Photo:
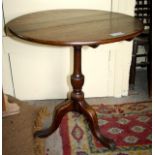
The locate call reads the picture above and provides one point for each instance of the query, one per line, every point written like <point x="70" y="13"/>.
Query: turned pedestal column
<point x="77" y="103"/>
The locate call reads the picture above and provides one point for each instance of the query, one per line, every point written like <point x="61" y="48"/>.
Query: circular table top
<point x="75" y="27"/>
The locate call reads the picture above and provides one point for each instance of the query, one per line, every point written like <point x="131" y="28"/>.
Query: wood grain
<point x="74" y="27"/>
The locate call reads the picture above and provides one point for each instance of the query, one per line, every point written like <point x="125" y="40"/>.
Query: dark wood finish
<point x="78" y="104"/>
<point x="75" y="28"/>
<point x="60" y="111"/>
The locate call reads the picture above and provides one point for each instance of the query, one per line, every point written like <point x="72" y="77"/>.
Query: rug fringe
<point x="39" y="147"/>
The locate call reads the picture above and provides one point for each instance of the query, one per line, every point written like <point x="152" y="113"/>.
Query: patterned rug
<point x="129" y="125"/>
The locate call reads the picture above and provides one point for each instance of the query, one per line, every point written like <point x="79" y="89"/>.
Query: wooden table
<point x="75" y="28"/>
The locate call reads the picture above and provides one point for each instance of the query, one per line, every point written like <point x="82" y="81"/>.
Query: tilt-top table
<point x="75" y="28"/>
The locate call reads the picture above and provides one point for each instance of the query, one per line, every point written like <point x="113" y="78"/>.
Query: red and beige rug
<point x="129" y="125"/>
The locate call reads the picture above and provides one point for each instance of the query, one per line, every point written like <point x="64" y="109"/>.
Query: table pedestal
<point x="77" y="103"/>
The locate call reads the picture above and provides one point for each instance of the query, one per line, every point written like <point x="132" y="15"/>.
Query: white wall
<point x="14" y="8"/>
<point x="123" y="6"/>
<point x="42" y="72"/>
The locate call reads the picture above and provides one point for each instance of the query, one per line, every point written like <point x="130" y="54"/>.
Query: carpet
<point x="129" y="125"/>
<point x="17" y="130"/>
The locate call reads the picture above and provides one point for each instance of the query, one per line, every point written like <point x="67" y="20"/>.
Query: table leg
<point x="60" y="111"/>
<point x="80" y="105"/>
<point x="77" y="103"/>
<point x="91" y="117"/>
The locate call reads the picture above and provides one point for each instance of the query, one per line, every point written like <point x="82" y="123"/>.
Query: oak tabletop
<point x="74" y="27"/>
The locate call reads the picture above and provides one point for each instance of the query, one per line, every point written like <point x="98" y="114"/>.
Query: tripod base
<point x="83" y="108"/>
<point x="78" y="104"/>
